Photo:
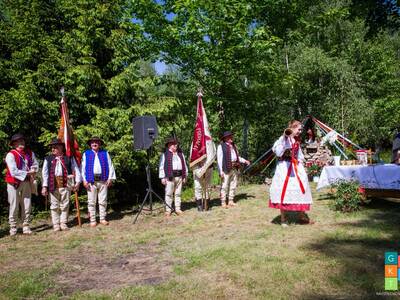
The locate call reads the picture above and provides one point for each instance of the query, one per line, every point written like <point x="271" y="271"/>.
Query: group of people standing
<point x="61" y="174"/>
<point x="289" y="190"/>
<point x="173" y="172"/>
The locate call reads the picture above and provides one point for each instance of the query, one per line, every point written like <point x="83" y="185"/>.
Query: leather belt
<point x="236" y="165"/>
<point x="177" y="173"/>
<point x="97" y="177"/>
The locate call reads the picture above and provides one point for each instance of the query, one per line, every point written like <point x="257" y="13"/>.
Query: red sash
<point x="293" y="164"/>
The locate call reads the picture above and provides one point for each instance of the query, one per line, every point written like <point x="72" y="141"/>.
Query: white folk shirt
<point x="17" y="173"/>
<point x="220" y="157"/>
<point x="176" y="164"/>
<point x="97" y="167"/>
<point x="283" y="144"/>
<point x="58" y="171"/>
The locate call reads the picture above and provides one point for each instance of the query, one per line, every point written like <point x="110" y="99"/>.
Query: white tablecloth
<point x="384" y="176"/>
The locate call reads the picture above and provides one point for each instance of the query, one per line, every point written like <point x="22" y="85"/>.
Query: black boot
<point x="199" y="205"/>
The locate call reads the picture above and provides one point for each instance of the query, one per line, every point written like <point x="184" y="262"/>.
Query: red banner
<point x="66" y="133"/>
<point x="198" y="151"/>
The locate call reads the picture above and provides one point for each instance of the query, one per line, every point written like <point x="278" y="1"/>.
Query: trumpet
<point x="288" y="132"/>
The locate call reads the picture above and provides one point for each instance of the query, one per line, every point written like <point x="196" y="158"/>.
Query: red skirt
<point x="290" y="207"/>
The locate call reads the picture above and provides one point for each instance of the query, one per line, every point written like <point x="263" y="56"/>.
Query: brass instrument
<point x="288" y="132"/>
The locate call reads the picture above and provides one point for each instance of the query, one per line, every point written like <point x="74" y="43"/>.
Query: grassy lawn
<point x="237" y="253"/>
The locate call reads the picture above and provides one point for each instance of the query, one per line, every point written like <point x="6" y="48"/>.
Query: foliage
<point x="314" y="169"/>
<point x="260" y="64"/>
<point x="349" y="196"/>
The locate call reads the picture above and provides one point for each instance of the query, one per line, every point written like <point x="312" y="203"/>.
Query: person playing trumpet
<point x="289" y="189"/>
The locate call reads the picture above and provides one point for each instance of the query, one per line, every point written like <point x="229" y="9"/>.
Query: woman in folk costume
<point x="289" y="189"/>
<point x="173" y="174"/>
<point x="98" y="174"/>
<point x="21" y="169"/>
<point x="60" y="175"/>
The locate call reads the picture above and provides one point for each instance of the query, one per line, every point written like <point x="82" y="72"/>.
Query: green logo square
<point x="391" y="284"/>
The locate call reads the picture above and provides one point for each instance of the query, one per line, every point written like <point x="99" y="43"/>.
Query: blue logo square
<point x="390" y="258"/>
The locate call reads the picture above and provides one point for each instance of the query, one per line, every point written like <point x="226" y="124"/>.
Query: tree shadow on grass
<point x="214" y="202"/>
<point x="359" y="255"/>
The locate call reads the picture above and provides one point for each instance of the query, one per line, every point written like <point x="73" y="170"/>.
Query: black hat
<point x="56" y="141"/>
<point x="16" y="137"/>
<point x="95" y="138"/>
<point x="171" y="140"/>
<point x="226" y="134"/>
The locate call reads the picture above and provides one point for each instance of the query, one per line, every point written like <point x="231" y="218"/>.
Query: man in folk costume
<point x="60" y="175"/>
<point x="21" y="169"/>
<point x="289" y="188"/>
<point x="202" y="184"/>
<point x="98" y="174"/>
<point x="202" y="156"/>
<point x="173" y="174"/>
<point x="228" y="164"/>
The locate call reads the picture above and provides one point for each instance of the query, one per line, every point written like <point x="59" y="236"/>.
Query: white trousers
<point x="173" y="187"/>
<point x="202" y="185"/>
<point x="229" y="184"/>
<point x="59" y="206"/>
<point x="19" y="198"/>
<point x="98" y="191"/>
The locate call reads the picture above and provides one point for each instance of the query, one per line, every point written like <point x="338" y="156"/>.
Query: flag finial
<point x="200" y="92"/>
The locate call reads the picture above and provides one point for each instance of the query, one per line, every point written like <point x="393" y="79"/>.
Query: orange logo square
<point x="390" y="270"/>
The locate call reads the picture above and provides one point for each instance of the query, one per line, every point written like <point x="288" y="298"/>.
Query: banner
<point x="66" y="133"/>
<point x="202" y="150"/>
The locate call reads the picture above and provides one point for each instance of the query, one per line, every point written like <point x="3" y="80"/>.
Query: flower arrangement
<point x="330" y="139"/>
<point x="314" y="168"/>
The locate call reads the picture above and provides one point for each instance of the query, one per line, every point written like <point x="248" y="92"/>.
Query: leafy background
<point x="260" y="63"/>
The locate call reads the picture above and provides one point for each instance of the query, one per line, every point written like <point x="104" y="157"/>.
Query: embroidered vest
<point x="17" y="156"/>
<point x="227" y="157"/>
<point x="168" y="167"/>
<point x="51" y="165"/>
<point x="89" y="168"/>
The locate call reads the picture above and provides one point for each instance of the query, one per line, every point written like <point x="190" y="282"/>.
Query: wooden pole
<point x="78" y="212"/>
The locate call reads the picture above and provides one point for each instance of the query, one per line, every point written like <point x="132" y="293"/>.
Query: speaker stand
<point x="150" y="192"/>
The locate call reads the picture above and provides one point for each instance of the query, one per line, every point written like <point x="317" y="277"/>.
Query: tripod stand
<point x="150" y="191"/>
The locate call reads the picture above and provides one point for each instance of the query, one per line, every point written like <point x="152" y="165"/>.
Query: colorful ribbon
<point x="293" y="164"/>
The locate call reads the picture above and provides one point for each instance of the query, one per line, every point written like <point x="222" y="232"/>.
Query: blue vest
<point x="89" y="173"/>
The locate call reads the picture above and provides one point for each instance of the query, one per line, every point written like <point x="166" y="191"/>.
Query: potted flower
<point x="313" y="171"/>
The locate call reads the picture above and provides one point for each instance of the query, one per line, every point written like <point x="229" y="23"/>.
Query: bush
<point x="349" y="196"/>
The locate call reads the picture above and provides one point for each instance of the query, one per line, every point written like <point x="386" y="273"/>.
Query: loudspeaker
<point x="145" y="131"/>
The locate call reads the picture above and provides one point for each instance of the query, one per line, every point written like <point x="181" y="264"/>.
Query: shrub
<point x="349" y="196"/>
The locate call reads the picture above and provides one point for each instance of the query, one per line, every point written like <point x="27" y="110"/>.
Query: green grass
<point x="23" y="285"/>
<point x="236" y="253"/>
